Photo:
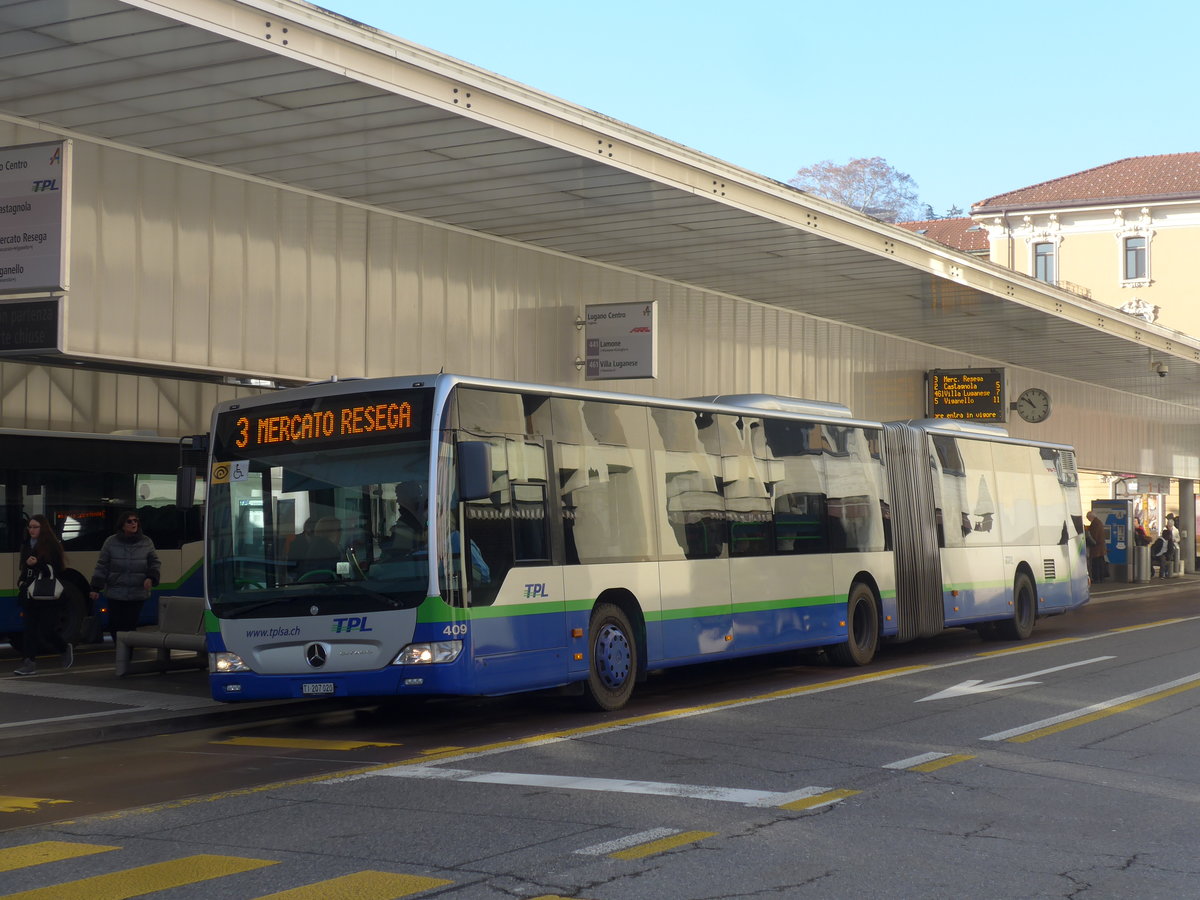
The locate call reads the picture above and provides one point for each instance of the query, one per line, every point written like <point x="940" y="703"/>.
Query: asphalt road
<point x="1063" y="767"/>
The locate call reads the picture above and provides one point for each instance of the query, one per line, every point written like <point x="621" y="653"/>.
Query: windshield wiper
<point x="230" y="610"/>
<point x="240" y="611"/>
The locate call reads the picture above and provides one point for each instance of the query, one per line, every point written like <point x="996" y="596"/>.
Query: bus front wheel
<point x="1020" y="626"/>
<point x="613" y="667"/>
<point x="862" y="629"/>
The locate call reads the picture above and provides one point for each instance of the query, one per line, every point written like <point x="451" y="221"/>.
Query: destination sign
<point x="323" y="422"/>
<point x="965" y="394"/>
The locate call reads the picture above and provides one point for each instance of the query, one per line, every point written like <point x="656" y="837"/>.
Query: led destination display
<point x="965" y="394"/>
<point x="325" y="422"/>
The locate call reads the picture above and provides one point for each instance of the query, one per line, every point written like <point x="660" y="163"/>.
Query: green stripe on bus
<point x="435" y="610"/>
<point x="174" y="585"/>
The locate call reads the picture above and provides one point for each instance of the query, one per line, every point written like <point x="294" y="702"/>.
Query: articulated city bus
<point x="81" y="483"/>
<point x="452" y="535"/>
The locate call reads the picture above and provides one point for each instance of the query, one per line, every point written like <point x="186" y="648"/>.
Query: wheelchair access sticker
<point x="225" y="472"/>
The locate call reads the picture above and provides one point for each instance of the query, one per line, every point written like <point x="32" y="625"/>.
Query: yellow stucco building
<point x="1123" y="234"/>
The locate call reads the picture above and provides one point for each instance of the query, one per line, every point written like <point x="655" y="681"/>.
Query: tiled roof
<point x="962" y="233"/>
<point x="1133" y="180"/>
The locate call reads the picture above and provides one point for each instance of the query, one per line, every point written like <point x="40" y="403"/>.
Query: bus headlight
<point x="224" y="663"/>
<point x="433" y="652"/>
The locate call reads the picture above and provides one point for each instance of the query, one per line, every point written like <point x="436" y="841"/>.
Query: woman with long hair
<point x="41" y="556"/>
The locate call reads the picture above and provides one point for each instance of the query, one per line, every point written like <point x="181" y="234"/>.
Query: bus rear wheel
<point x="1020" y="626"/>
<point x="862" y="629"/>
<point x="613" y="666"/>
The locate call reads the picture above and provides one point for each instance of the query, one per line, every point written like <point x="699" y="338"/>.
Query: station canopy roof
<point x="295" y="95"/>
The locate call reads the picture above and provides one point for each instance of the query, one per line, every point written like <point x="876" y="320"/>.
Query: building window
<point x="1135" y="258"/>
<point x="1043" y="262"/>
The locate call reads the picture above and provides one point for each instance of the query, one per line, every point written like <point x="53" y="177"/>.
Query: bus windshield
<point x="343" y="522"/>
<point x="339" y="518"/>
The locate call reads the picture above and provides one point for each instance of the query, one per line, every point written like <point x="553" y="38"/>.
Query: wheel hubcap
<point x="613" y="656"/>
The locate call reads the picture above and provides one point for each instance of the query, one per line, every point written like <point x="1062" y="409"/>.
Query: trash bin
<point x="1141" y="564"/>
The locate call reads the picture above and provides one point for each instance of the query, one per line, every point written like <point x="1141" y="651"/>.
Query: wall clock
<point x="1033" y="405"/>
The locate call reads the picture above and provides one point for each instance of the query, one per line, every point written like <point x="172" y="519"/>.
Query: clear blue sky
<point x="970" y="99"/>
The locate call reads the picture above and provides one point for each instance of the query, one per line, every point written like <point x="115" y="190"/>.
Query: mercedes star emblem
<point x="316" y="655"/>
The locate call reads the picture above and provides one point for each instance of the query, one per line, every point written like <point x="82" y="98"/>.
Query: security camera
<point x="1162" y="369"/>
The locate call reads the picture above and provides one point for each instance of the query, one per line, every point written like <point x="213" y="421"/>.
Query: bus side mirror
<point x="185" y="487"/>
<point x="474" y="470"/>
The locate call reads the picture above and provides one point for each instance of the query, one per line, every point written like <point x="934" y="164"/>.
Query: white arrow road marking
<point x="976" y="686"/>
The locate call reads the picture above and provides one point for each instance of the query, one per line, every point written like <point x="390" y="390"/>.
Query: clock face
<point x="1033" y="405"/>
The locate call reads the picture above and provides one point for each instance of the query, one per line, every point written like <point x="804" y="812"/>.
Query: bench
<point x="180" y="627"/>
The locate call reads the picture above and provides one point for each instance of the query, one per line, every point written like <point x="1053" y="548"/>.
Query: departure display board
<point x="324" y="422"/>
<point x="965" y="394"/>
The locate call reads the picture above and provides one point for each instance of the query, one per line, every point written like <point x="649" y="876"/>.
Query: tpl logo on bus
<point x="533" y="591"/>
<point x="347" y="624"/>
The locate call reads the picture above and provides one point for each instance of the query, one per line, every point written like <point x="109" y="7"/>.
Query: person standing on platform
<point x="1096" y="547"/>
<point x="1158" y="557"/>
<point x="1171" y="535"/>
<point x="41" y="556"/>
<point x="127" y="570"/>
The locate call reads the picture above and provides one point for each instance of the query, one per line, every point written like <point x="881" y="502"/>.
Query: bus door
<point x="514" y="589"/>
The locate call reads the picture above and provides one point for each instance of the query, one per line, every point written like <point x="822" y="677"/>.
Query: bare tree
<point x="872" y="186"/>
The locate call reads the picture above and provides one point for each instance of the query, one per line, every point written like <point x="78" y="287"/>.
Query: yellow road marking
<point x="366" y="885"/>
<point x="46" y="852"/>
<point x="1147" y="625"/>
<point x="303" y="743"/>
<point x="1100" y="714"/>
<point x="662" y="845"/>
<point x="1040" y="645"/>
<point x="145" y="879"/>
<point x="25" y="804"/>
<point x="819" y="799"/>
<point x="935" y="764"/>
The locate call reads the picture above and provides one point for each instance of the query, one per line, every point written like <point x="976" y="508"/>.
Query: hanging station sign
<point x="34" y="204"/>
<point x="621" y="340"/>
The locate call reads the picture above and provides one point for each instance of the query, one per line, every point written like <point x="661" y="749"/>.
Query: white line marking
<point x="1088" y="710"/>
<point x="916" y="760"/>
<point x="978" y="686"/>
<point x="607" y="785"/>
<point x="642" y="837"/>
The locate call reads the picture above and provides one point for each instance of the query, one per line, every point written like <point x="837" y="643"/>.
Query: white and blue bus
<point x="471" y="536"/>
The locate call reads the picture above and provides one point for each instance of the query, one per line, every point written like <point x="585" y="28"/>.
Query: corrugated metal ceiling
<point x="287" y="92"/>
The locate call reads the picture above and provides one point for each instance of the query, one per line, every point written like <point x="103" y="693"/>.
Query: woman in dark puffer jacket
<point x="128" y="568"/>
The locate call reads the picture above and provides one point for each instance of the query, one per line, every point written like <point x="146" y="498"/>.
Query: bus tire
<point x="862" y="627"/>
<point x="613" y="664"/>
<point x="1020" y="626"/>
